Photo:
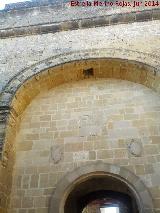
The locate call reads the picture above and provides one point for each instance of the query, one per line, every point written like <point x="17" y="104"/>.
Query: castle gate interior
<point x="79" y="109"/>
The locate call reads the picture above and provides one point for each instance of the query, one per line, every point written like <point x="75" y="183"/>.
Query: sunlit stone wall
<point x="85" y="121"/>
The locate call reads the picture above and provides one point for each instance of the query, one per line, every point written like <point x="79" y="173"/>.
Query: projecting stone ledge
<point x="82" y="23"/>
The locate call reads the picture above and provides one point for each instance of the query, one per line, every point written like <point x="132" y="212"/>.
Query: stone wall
<point x="85" y="121"/>
<point x="23" y="91"/>
<point x="23" y="57"/>
<point x="120" y="41"/>
<point x="61" y="13"/>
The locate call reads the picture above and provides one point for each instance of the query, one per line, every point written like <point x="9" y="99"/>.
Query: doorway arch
<point x="98" y="191"/>
<point x="78" y="178"/>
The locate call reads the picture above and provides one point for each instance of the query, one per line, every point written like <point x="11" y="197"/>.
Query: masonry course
<point x="122" y="44"/>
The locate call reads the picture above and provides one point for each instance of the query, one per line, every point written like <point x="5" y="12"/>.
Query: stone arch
<point x="143" y="60"/>
<point x="22" y="88"/>
<point x="80" y="174"/>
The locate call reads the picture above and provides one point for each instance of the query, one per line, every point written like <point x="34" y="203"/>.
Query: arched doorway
<point x="104" y="185"/>
<point x="99" y="193"/>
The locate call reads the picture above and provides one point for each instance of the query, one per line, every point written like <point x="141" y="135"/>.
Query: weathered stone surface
<point x="69" y="44"/>
<point x="56" y="118"/>
<point x="82" y="23"/>
<point x="49" y="123"/>
<point x="144" y="16"/>
<point x="49" y="14"/>
<point x="57" y="153"/>
<point x="135" y="147"/>
<point x="81" y="156"/>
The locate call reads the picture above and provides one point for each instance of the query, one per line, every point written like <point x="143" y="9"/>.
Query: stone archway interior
<point x="99" y="192"/>
<point x="99" y="119"/>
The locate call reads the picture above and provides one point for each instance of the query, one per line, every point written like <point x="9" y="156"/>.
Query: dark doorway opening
<point x="103" y="194"/>
<point x="107" y="202"/>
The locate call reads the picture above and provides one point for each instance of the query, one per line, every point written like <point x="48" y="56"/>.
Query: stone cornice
<point x="99" y="21"/>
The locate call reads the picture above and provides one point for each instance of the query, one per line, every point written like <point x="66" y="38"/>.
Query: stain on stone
<point x="57" y="153"/>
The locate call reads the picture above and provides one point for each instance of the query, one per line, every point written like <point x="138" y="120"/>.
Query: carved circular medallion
<point x="135" y="147"/>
